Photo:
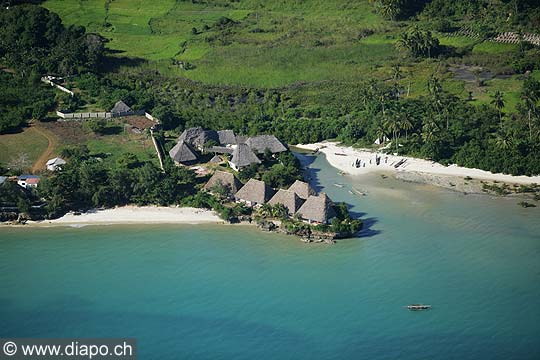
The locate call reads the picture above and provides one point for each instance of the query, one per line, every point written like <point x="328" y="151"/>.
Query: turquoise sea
<point x="232" y="292"/>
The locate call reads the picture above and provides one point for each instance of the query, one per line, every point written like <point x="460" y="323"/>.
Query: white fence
<point x="46" y="80"/>
<point x="150" y="117"/>
<point x="98" y="115"/>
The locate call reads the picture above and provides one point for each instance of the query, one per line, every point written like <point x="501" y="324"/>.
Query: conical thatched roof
<point x="288" y="198"/>
<point x="255" y="191"/>
<point x="302" y="189"/>
<point x="182" y="152"/>
<point x="317" y="208"/>
<point x="198" y="137"/>
<point x="226" y="137"/>
<point x="226" y="179"/>
<point x="216" y="159"/>
<point x="120" y="107"/>
<point x="262" y="142"/>
<point x="243" y="156"/>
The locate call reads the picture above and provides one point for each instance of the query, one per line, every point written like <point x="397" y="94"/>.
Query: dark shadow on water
<point x="367" y="230"/>
<point x="311" y="175"/>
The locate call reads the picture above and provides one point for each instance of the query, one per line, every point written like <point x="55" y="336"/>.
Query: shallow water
<point x="220" y="292"/>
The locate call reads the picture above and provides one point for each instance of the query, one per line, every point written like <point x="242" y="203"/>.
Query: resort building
<point x="183" y="154"/>
<point x="302" y="189"/>
<point x="288" y="199"/>
<point x="220" y="150"/>
<point x="198" y="137"/>
<point x="254" y="193"/>
<point x="28" y="181"/>
<point x="317" y="209"/>
<point x="121" y="108"/>
<point x="260" y="143"/>
<point x="55" y="164"/>
<point x="225" y="179"/>
<point x="243" y="156"/>
<point x="226" y="137"/>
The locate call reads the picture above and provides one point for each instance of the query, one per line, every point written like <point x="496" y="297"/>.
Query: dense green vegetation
<point x="86" y="182"/>
<point x="304" y="71"/>
<point x="33" y="42"/>
<point x="22" y="98"/>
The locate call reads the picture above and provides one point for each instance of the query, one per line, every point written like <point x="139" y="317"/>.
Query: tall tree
<point x="497" y="100"/>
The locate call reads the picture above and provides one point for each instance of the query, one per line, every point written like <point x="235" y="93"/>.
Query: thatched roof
<point x="216" y="159"/>
<point x="241" y="139"/>
<point x="262" y="142"/>
<point x="317" y="208"/>
<point x="182" y="152"/>
<point x="120" y="107"/>
<point x="198" y="137"/>
<point x="226" y="137"/>
<point x="255" y="191"/>
<point x="288" y="198"/>
<point x="226" y="179"/>
<point x="302" y="189"/>
<point x="221" y="149"/>
<point x="244" y="156"/>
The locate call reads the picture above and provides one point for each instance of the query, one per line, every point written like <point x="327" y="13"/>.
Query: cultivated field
<point x="272" y="44"/>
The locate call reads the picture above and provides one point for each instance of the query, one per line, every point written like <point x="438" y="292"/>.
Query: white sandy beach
<point x="136" y="215"/>
<point x="343" y="159"/>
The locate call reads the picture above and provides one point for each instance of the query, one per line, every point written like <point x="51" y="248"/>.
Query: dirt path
<point x="47" y="154"/>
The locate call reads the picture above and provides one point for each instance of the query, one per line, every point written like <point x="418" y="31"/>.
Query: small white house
<point x="55" y="164"/>
<point x="28" y="181"/>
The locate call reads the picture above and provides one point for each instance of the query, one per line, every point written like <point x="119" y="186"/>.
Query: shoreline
<point x="467" y="180"/>
<point x="131" y="214"/>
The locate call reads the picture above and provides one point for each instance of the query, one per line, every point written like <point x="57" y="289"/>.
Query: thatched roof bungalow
<point x="225" y="179"/>
<point x="287" y="198"/>
<point x="254" y="192"/>
<point x="260" y="143"/>
<point x="198" y="137"/>
<point x="120" y="108"/>
<point x="226" y="137"/>
<point x="243" y="156"/>
<point x="183" y="154"/>
<point x="302" y="189"/>
<point x="317" y="209"/>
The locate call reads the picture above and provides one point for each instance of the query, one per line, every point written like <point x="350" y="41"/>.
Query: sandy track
<point x="41" y="162"/>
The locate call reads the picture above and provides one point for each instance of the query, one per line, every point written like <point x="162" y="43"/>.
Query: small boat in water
<point x="416" y="307"/>
<point x="358" y="192"/>
<point x="338" y="185"/>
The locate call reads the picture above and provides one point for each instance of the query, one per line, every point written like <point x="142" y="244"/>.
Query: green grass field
<point x="29" y="144"/>
<point x="270" y="43"/>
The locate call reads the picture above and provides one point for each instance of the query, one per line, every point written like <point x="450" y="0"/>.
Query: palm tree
<point x="498" y="102"/>
<point x="406" y="123"/>
<point x="380" y="132"/>
<point x="430" y="131"/>
<point x="436" y="91"/>
<point x="393" y="126"/>
<point x="530" y="104"/>
<point x="280" y="211"/>
<point x="389" y="9"/>
<point x="396" y="72"/>
<point x="503" y="141"/>
<point x="265" y="210"/>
